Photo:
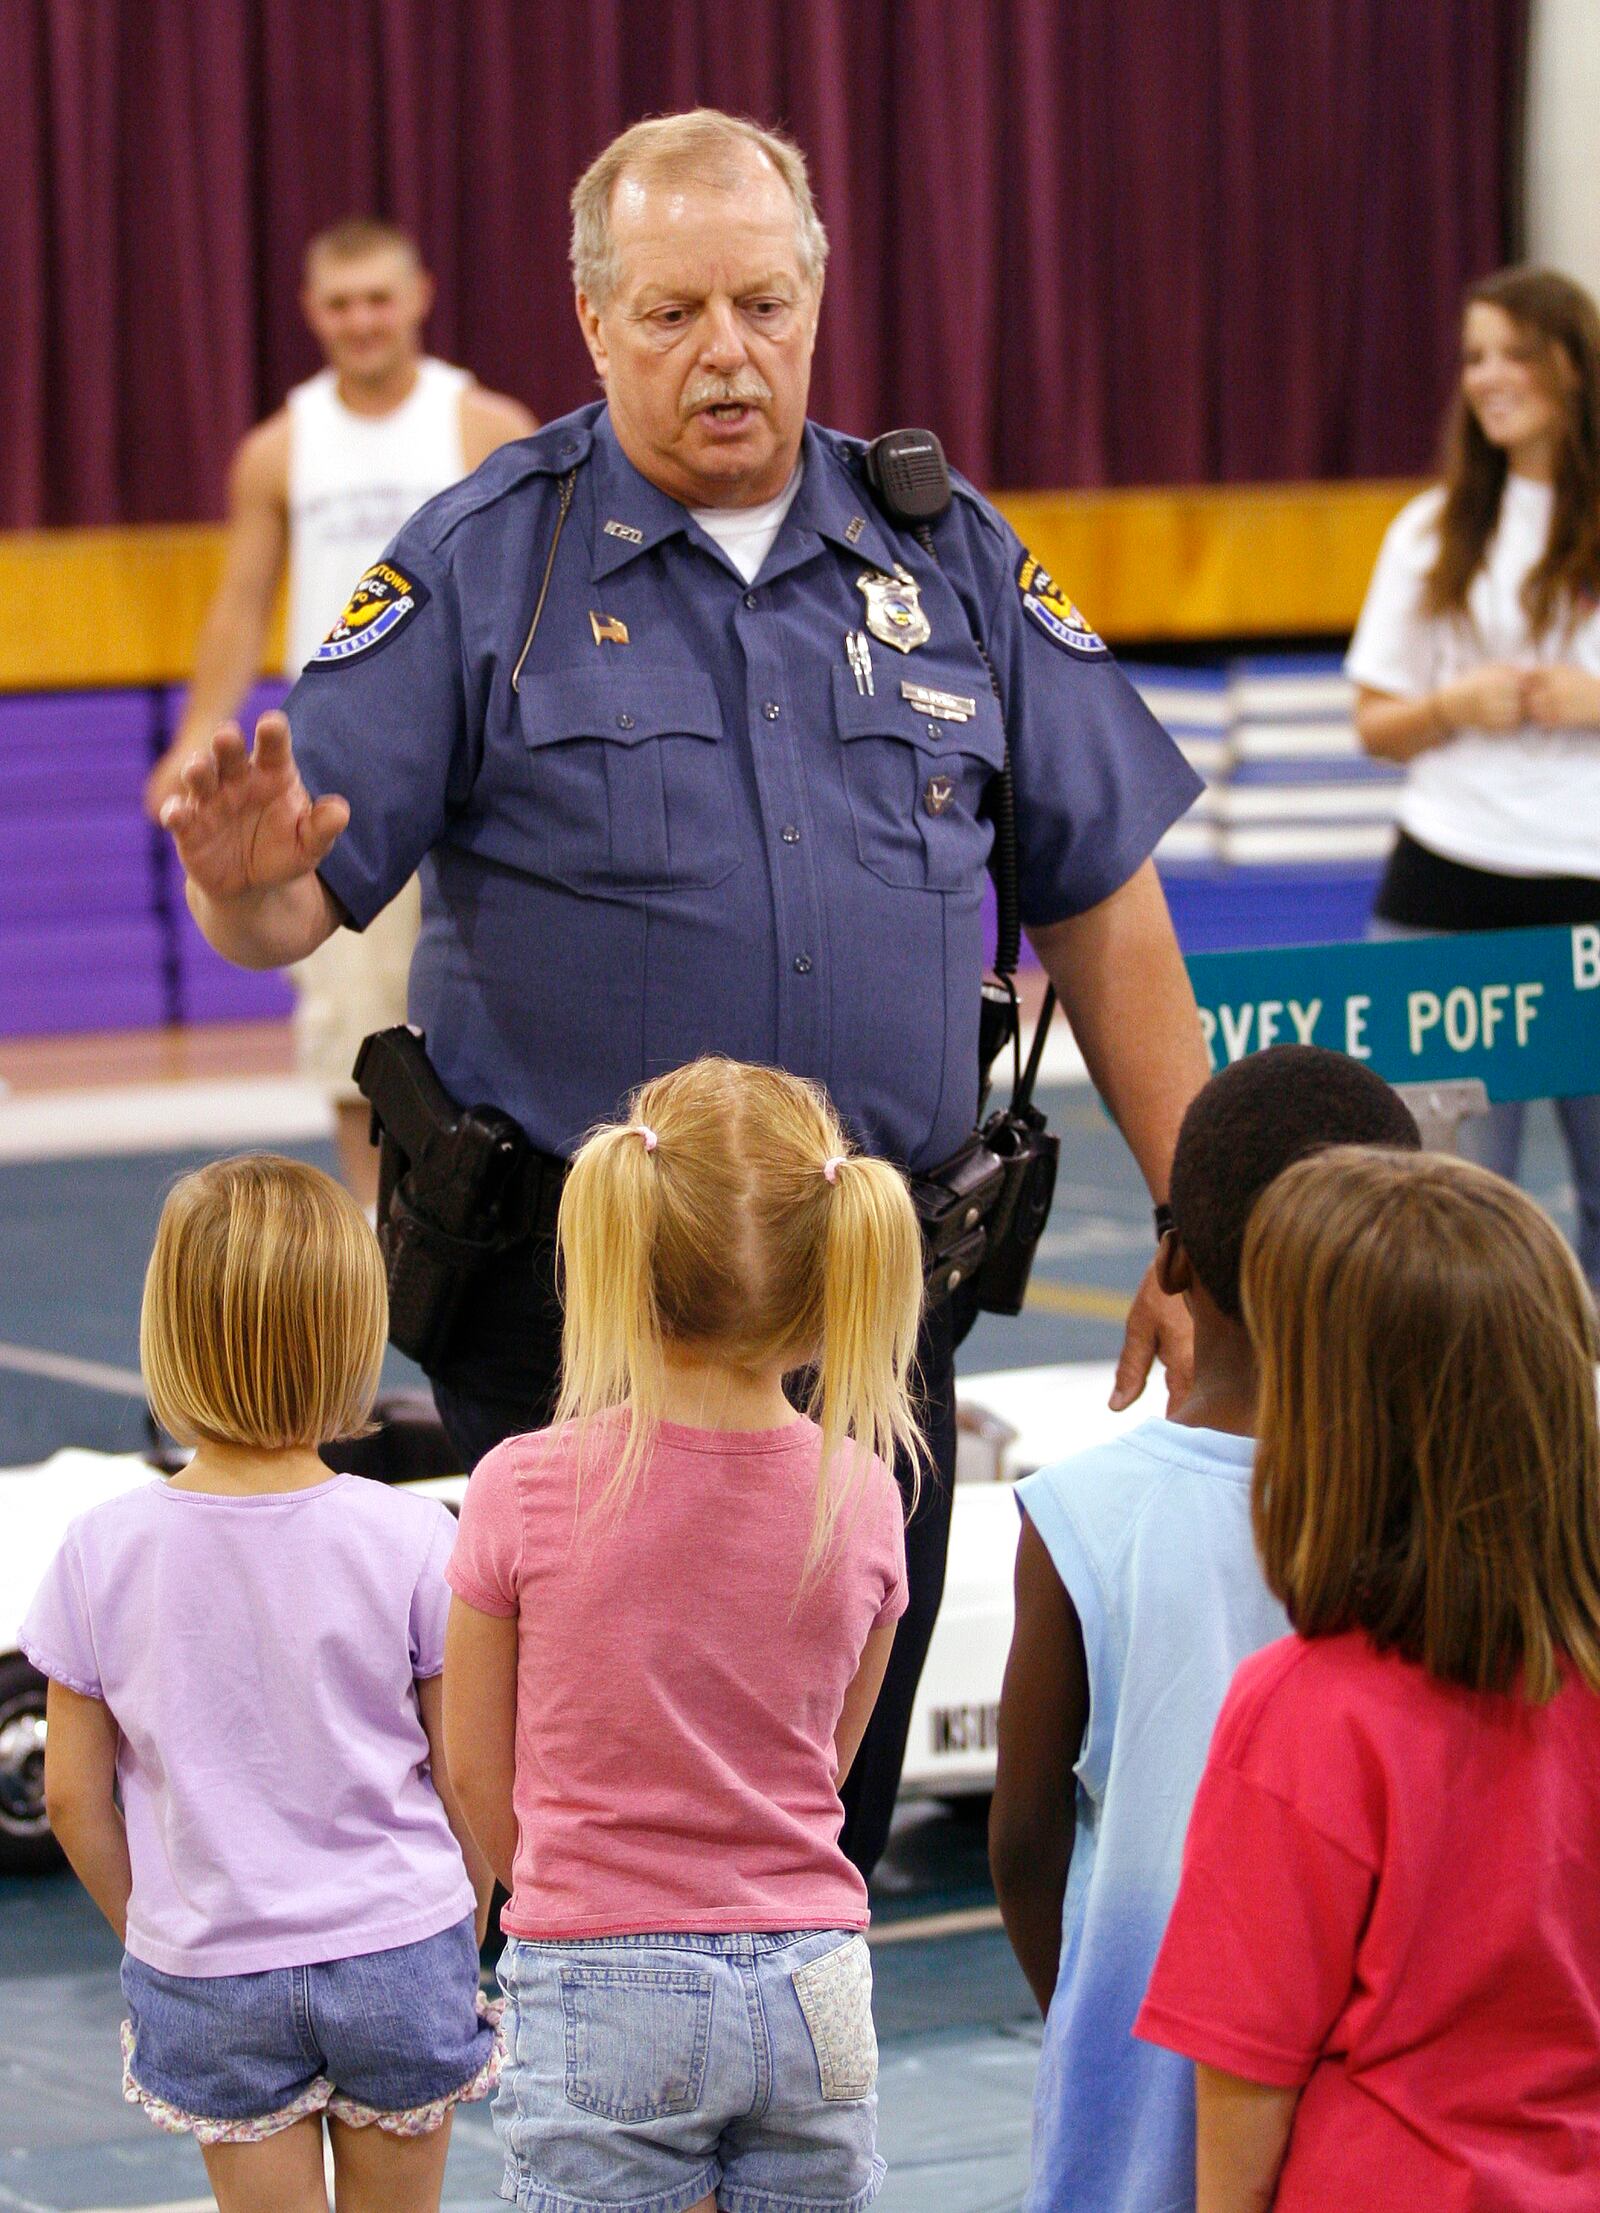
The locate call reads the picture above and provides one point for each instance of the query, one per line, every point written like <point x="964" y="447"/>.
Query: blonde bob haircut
<point x="1428" y="1455"/>
<point x="729" y="1215"/>
<point x="265" y="1308"/>
<point x="704" y="146"/>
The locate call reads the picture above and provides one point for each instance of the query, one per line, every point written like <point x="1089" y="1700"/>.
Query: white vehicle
<point x="1012" y="1421"/>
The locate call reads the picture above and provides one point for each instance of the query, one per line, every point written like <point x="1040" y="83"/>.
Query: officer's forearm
<point x="267" y="929"/>
<point x="1124" y="989"/>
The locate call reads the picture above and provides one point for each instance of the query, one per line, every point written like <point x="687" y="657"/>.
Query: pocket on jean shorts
<point x="835" y="1994"/>
<point x="637" y="2039"/>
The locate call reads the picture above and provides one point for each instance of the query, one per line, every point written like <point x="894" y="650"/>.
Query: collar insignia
<point x="625" y="531"/>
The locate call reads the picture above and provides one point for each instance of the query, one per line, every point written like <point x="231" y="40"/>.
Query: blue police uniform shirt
<point x="684" y="827"/>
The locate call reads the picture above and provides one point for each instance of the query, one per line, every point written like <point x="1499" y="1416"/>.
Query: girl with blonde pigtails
<point x="672" y="1614"/>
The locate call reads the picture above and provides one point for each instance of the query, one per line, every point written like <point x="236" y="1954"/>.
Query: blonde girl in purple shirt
<point x="248" y="1657"/>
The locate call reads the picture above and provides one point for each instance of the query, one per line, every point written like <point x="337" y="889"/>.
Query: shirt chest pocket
<point x="628" y="777"/>
<point x="916" y="781"/>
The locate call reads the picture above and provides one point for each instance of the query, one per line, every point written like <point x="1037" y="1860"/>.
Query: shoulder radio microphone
<point x="984" y="1209"/>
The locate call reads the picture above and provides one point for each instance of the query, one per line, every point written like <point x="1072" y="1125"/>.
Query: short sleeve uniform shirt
<point x="687" y="822"/>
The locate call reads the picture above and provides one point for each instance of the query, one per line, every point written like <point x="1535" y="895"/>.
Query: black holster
<point x="455" y="1187"/>
<point x="984" y="1209"/>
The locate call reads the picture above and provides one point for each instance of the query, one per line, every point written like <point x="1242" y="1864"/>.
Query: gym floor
<point x="80" y="1189"/>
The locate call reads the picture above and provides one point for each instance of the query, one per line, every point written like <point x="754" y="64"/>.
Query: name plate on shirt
<point x="1519" y="1010"/>
<point x="944" y="706"/>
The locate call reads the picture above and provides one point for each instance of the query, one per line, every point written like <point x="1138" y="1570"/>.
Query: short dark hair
<point x="1252" y="1121"/>
<point x="356" y="236"/>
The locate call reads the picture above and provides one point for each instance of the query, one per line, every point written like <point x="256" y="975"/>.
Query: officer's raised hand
<point x="250" y="838"/>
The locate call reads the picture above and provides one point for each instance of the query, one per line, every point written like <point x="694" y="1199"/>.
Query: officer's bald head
<point x="704" y="149"/>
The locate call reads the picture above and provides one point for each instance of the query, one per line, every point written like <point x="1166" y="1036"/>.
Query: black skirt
<point x="1421" y="890"/>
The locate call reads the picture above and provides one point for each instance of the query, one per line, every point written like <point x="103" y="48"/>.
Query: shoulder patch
<point x="380" y="607"/>
<point x="1050" y="608"/>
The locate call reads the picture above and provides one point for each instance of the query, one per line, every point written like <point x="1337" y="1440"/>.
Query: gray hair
<point x="703" y="143"/>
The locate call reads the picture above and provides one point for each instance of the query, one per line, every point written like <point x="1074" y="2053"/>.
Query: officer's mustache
<point x="745" y="391"/>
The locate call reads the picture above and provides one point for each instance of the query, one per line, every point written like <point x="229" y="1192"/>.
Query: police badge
<point x="894" y="608"/>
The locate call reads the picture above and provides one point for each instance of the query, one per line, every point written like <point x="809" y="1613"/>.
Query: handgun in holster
<point x="448" y="1186"/>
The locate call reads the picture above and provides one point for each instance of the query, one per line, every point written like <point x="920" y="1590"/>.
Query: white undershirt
<point x="745" y="534"/>
<point x="1520" y="802"/>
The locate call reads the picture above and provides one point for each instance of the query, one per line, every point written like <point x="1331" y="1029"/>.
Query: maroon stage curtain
<point x="1089" y="241"/>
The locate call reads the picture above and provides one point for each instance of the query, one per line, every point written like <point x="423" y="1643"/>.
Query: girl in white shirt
<point x="1477" y="662"/>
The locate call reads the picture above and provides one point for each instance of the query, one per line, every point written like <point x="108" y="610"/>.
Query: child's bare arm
<point x="480" y="1727"/>
<point x="80" y="1776"/>
<point x="1044" y="1710"/>
<point x="1242" y="2133"/>
<point x="860" y="1699"/>
<point x="430" y="1703"/>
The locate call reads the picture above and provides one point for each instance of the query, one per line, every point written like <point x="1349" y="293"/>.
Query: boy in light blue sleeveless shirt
<point x="1138" y="1594"/>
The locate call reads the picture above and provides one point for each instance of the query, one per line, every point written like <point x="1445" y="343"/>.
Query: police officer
<point x="691" y="743"/>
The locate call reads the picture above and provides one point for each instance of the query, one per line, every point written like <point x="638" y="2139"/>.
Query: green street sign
<point x="1518" y="1008"/>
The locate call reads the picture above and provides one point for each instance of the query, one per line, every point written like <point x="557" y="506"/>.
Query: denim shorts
<point x="644" y="2073"/>
<point x="394" y="2037"/>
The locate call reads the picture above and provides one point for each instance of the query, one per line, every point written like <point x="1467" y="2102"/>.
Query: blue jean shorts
<point x="644" y="2073"/>
<point x="396" y="2038"/>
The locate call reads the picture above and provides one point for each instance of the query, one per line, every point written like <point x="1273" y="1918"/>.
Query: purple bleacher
<point x="59" y="750"/>
<point x="94" y="931"/>
<point x="61" y="976"/>
<point x="207" y="988"/>
<point x="210" y="989"/>
<point x="84" y="863"/>
<point x="82" y="946"/>
<point x="272" y="691"/>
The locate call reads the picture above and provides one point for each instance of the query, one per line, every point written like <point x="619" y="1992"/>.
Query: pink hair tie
<point x="832" y="1165"/>
<point x="651" y="1141"/>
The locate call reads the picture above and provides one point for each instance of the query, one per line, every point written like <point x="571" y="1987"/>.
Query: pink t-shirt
<point x="1391" y="1897"/>
<point x="675" y="1703"/>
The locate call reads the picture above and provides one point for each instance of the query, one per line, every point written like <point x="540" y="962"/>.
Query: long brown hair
<point x="1428" y="1450"/>
<point x="1564" y="325"/>
<point x="730" y="1213"/>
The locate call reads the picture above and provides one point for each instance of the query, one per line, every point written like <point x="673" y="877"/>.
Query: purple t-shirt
<point x="259" y="1656"/>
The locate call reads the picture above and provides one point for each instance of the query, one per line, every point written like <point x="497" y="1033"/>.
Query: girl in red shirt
<point x="1385" y="1951"/>
<point x="672" y="1614"/>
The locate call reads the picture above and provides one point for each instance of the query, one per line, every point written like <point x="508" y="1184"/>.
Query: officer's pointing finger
<point x="272" y="740"/>
<point x="324" y="823"/>
<point x="1138" y="1347"/>
<point x="198" y="777"/>
<point x="228" y="751"/>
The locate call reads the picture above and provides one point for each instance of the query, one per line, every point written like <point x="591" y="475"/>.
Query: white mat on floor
<point x="161" y="1117"/>
<point x="253" y="1110"/>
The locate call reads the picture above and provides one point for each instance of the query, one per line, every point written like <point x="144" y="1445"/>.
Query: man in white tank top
<point x="324" y="485"/>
